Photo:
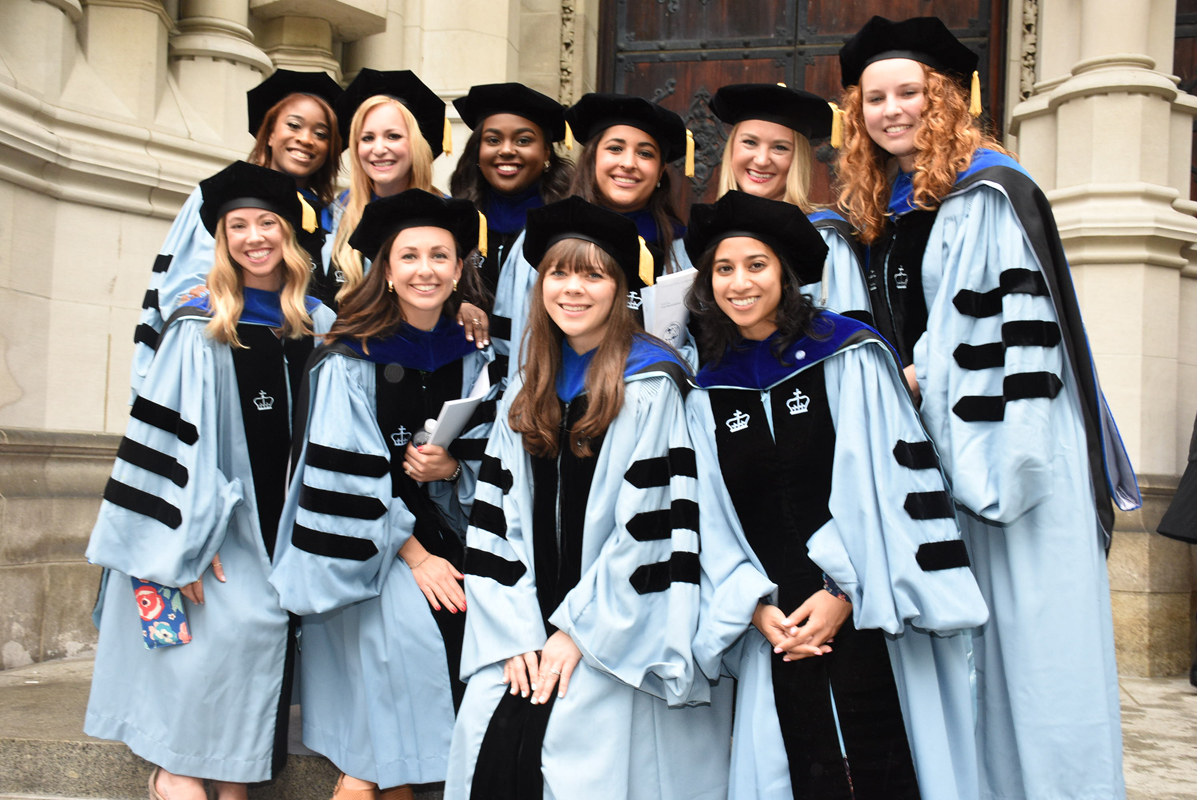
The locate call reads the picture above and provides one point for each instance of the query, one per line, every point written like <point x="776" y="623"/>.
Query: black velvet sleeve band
<point x="144" y="503"/>
<point x="489" y="518"/>
<point x="933" y="556"/>
<point x="682" y="567"/>
<point x="494" y="473"/>
<point x="163" y="418"/>
<point x="916" y="455"/>
<point x="333" y="545"/>
<point x="145" y="334"/>
<point x="341" y="504"/>
<point x="347" y="462"/>
<point x="929" y="505"/>
<point x="152" y="460"/>
<point x="489" y="565"/>
<point x="980" y="356"/>
<point x="500" y="327"/>
<point x="162" y="262"/>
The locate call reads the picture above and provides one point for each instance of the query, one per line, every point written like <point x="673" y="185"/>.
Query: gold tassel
<point x="689" y="154"/>
<point x="646" y="263"/>
<point x="447" y="144"/>
<point x="482" y="247"/>
<point x="782" y="85"/>
<point x="569" y="137"/>
<point x="837" y="126"/>
<point x="974" y="100"/>
<point x="309" y="215"/>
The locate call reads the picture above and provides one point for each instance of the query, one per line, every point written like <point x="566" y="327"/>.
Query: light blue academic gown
<point x="842" y="288"/>
<point x="207" y="708"/>
<point x="872" y="547"/>
<point x="1047" y="683"/>
<point x="374" y="677"/>
<point x="634" y="723"/>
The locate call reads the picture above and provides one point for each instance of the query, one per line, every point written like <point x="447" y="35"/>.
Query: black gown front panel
<point x="780" y="485"/>
<point x="895" y="280"/>
<point x="508" y="765"/>
<point x="322" y="286"/>
<point x="404" y="400"/>
<point x="498" y="252"/>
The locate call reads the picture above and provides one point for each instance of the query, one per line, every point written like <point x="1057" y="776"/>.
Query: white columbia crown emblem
<point x="634" y="300"/>
<point x="401" y="436"/>
<point x="798" y="403"/>
<point x="901" y="279"/>
<point x="263" y="401"/>
<point x="738" y="421"/>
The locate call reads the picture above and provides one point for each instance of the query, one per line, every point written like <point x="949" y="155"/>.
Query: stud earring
<point x="390" y="287"/>
<point x="455" y="284"/>
<point x="658" y="184"/>
<point x="547" y="163"/>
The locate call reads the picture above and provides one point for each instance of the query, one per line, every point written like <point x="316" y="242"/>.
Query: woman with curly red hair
<point x="970" y="284"/>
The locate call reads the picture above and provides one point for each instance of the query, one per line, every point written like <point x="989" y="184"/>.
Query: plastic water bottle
<point x="422" y="437"/>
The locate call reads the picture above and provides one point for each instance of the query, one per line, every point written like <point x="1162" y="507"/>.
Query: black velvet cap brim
<point x="802" y="111"/>
<point x="408" y="89"/>
<point x="283" y="83"/>
<point x="512" y="98"/>
<point x="780" y="225"/>
<point x="415" y="208"/>
<point x="245" y="185"/>
<point x="594" y="113"/>
<point x="574" y="218"/>
<point x="923" y="39"/>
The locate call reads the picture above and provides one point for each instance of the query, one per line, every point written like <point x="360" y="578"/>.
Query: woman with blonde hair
<point x="194" y="675"/>
<point x="970" y="284"/>
<point x="769" y="154"/>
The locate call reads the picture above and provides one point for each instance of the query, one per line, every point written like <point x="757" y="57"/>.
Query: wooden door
<point x="679" y="52"/>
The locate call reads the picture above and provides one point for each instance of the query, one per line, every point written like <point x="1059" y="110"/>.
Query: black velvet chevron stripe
<point x="1030" y="385"/>
<point x="683" y="514"/>
<point x="341" y="504"/>
<point x="915" y="455"/>
<point x="164" y="418"/>
<point x="649" y="472"/>
<point x="980" y="356"/>
<point x="151" y="299"/>
<point x="489" y="518"/>
<point x="347" y="462"/>
<point x="500" y="327"/>
<point x="682" y="567"/>
<point x="649" y="526"/>
<point x="333" y="545"/>
<point x="934" y="556"/>
<point x="145" y="334"/>
<point x="493" y="472"/>
<point x="1030" y="333"/>
<point x="468" y="449"/>
<point x="989" y="304"/>
<point x="980" y="408"/>
<point x="929" y="505"/>
<point x="497" y="369"/>
<point x="489" y="565"/>
<point x="153" y="461"/>
<point x="143" y="503"/>
<point x="162" y="262"/>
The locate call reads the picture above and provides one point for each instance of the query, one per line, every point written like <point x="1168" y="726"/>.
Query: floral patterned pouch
<point x="163" y="621"/>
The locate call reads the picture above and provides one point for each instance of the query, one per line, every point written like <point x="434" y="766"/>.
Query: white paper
<point x="665" y="312"/>
<point x="451" y="422"/>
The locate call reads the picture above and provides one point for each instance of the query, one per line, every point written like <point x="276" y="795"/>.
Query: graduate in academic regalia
<point x="768" y="154"/>
<point x="193" y="507"/>
<point x="582" y="560"/>
<point x="835" y="583"/>
<point x="382" y="635"/>
<point x="624" y="166"/>
<point x="508" y="167"/>
<point x="1180" y="521"/>
<point x="291" y="115"/>
<point x="970" y="284"/>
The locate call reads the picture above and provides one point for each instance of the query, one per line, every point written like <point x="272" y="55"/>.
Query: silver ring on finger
<point x="554" y="672"/>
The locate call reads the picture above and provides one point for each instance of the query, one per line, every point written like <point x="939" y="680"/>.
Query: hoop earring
<point x="455" y="284"/>
<point x="390" y="287"/>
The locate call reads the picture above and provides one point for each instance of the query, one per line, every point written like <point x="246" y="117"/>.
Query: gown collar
<point x="508" y="213"/>
<point x="412" y="348"/>
<point x="261" y="307"/>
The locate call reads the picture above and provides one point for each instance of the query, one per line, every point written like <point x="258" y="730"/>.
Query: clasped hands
<point x="809" y="631"/>
<point x="538" y="673"/>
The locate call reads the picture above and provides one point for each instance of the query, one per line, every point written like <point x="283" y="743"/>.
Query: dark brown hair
<point x="660" y="204"/>
<point x="370" y="311"/>
<point x="536" y="411"/>
<point x="468" y="183"/>
<point x="323" y="181"/>
<point x="795" y="316"/>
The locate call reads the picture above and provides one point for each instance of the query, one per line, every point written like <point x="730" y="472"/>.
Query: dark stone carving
<point x="709" y="139"/>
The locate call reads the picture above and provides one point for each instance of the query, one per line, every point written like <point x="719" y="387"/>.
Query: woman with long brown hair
<point x="295" y="128"/>
<point x="581" y="568"/>
<point x="971" y="285"/>
<point x="382" y="635"/>
<point x="200" y="685"/>
<point x="769" y="154"/>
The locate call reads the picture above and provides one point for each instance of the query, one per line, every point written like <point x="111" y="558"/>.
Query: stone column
<point x="1106" y="133"/>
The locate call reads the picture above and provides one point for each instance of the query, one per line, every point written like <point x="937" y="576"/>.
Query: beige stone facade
<point x="112" y="110"/>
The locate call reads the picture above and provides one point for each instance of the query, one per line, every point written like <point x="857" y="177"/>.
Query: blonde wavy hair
<point x="945" y="142"/>
<point x="797" y="179"/>
<point x="226" y="289"/>
<point x="361" y="188"/>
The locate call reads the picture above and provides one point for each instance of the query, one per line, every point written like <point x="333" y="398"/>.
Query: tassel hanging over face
<point x="569" y="137"/>
<point x="837" y="126"/>
<point x="482" y="246"/>
<point x="309" y="214"/>
<point x="447" y="143"/>
<point x="689" y="154"/>
<point x="974" y="99"/>
<point x="646" y="263"/>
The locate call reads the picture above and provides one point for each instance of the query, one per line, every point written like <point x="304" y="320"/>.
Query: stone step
<point x="45" y="754"/>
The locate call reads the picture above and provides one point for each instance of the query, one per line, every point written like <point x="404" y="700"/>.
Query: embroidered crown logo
<point x="901" y="279"/>
<point x="401" y="436"/>
<point x="263" y="401"/>
<point x="634" y="300"/>
<point x="738" y="421"/>
<point x="798" y="403"/>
